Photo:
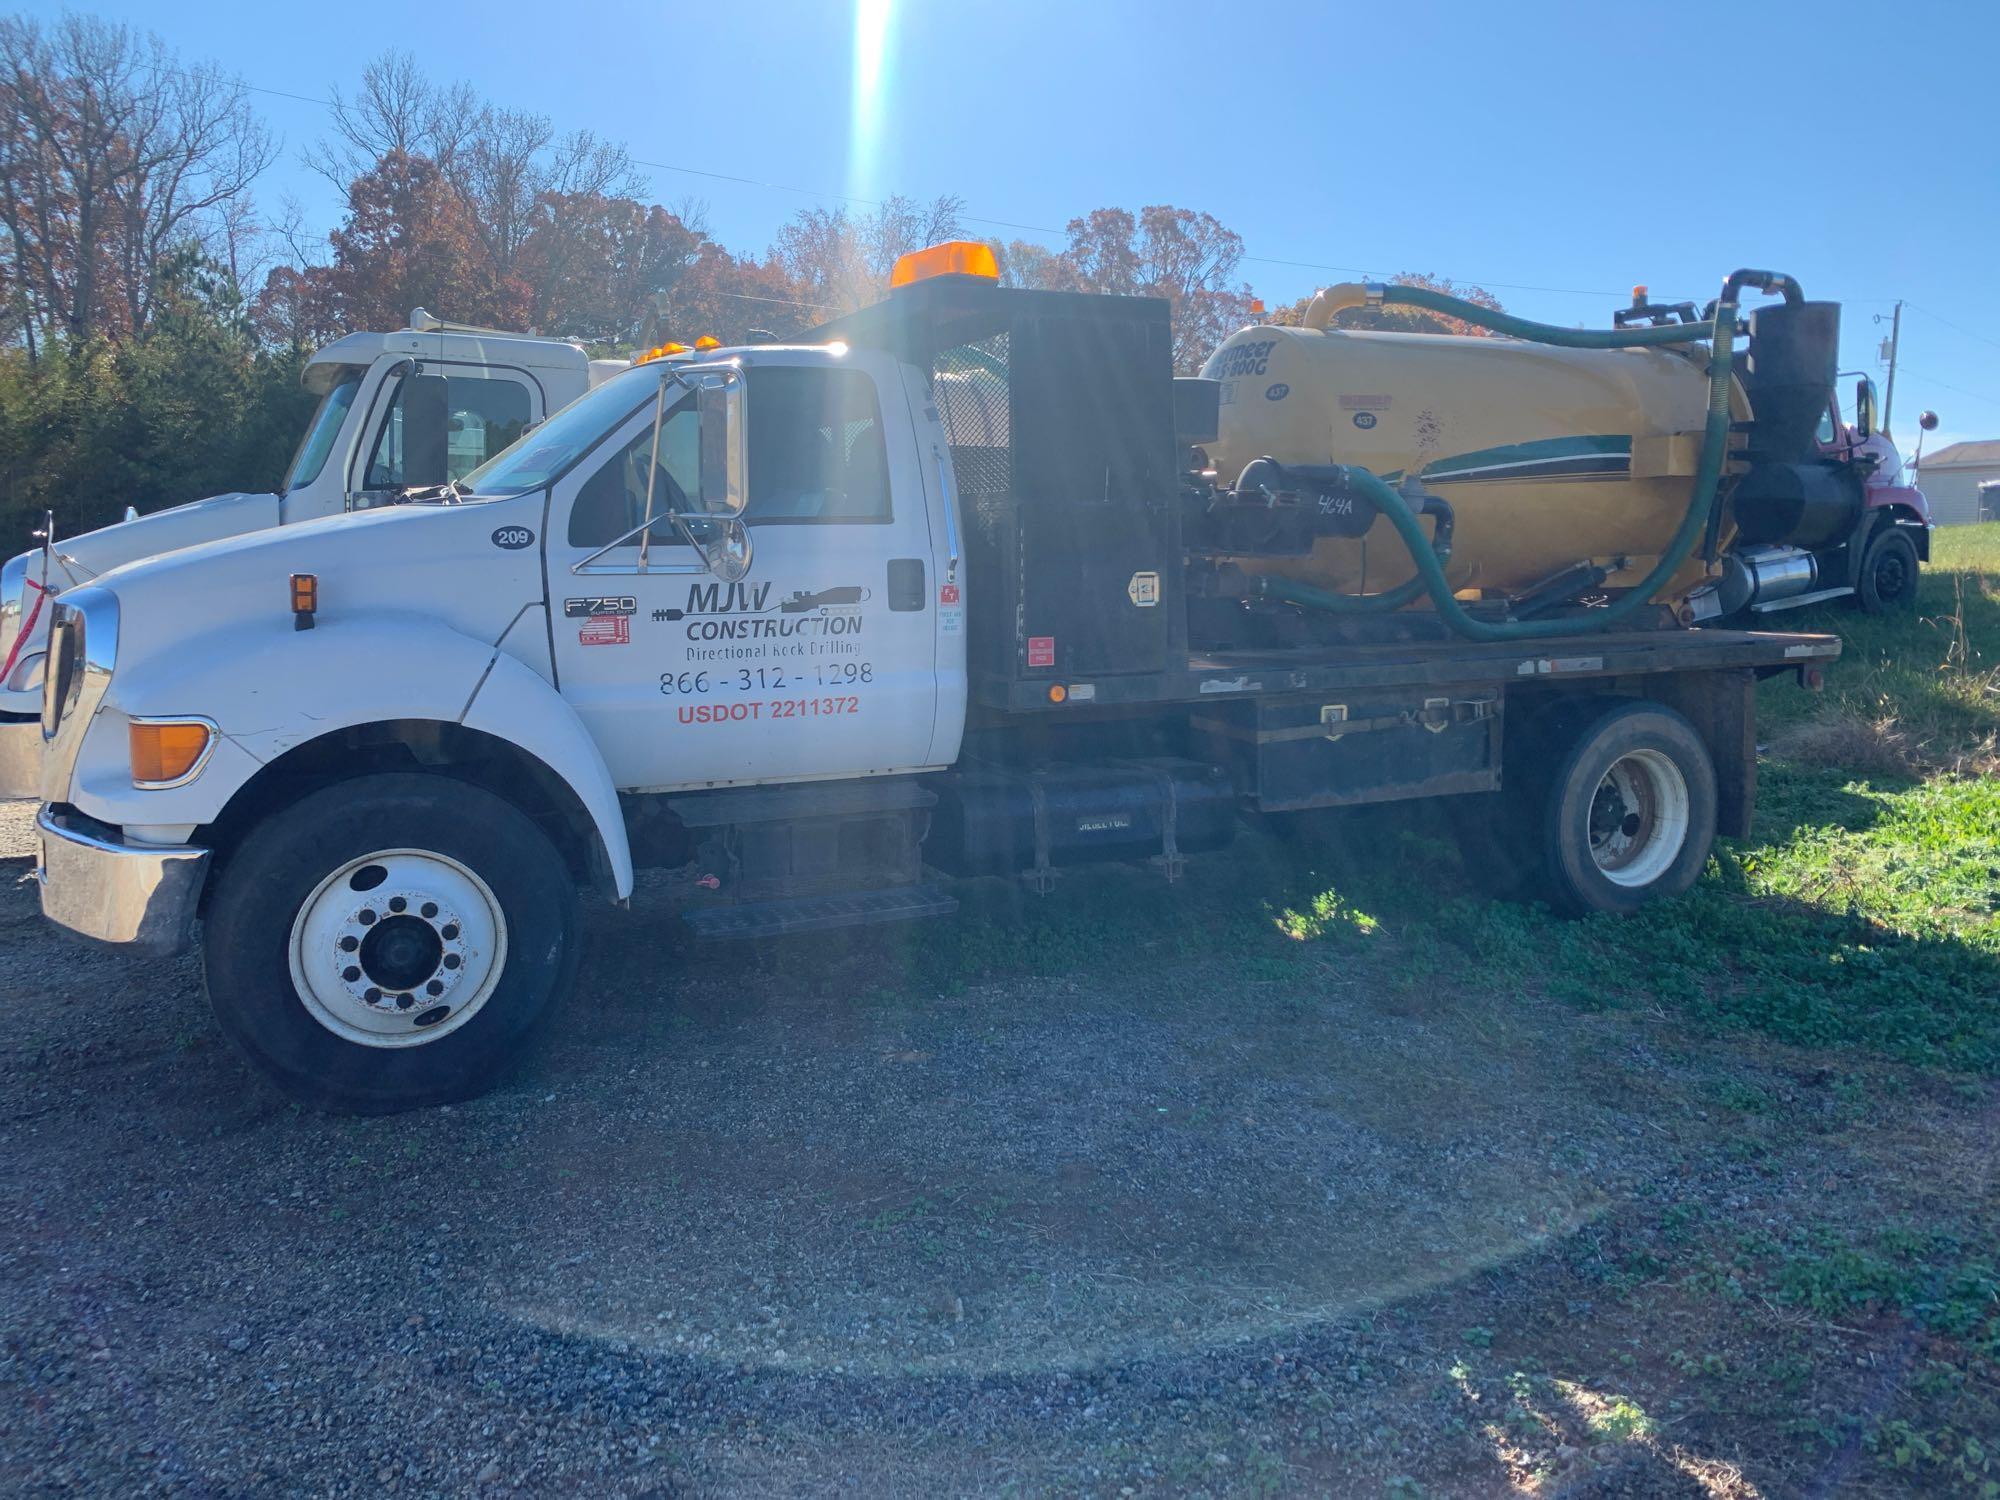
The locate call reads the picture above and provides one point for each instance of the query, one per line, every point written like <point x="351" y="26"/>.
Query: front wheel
<point x="1888" y="581"/>
<point x="390" y="942"/>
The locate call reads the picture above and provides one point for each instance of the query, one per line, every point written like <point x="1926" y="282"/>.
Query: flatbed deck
<point x="1617" y="653"/>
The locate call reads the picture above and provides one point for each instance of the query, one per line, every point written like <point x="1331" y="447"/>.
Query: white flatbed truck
<point x="818" y="623"/>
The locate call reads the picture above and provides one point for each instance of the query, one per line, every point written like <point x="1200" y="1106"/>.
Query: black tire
<point x="1613" y="843"/>
<point x="288" y="860"/>
<point x="1888" y="580"/>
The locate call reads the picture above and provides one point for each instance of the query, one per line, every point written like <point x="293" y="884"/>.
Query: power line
<point x="1947" y="385"/>
<point x="1261" y="260"/>
<point x="1967" y="332"/>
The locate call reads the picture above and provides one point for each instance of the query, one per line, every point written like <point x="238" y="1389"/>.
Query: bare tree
<point x="191" y="151"/>
<point x="394" y="109"/>
<point x="840" y="260"/>
<point x="112" y="152"/>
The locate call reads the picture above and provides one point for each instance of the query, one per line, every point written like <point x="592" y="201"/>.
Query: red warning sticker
<point x="605" y="630"/>
<point x="947" y="593"/>
<point x="1041" y="651"/>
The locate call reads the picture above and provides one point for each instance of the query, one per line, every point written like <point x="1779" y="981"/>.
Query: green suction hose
<point x="1430" y="572"/>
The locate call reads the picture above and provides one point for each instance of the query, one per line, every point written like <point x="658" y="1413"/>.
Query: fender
<point x="518" y="705"/>
<point x="270" y="688"/>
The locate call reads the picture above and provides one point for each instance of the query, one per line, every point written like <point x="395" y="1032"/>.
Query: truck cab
<point x="478" y="389"/>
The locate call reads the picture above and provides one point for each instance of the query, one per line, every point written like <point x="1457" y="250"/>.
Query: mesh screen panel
<point x="970" y="388"/>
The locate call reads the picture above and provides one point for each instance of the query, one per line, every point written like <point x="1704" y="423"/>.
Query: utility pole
<point x="1890" y="344"/>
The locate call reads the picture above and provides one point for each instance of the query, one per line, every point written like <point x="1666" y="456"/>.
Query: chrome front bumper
<point x="140" y="898"/>
<point x="20" y="756"/>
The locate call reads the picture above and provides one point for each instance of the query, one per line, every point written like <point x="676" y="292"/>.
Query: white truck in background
<point x="397" y="412"/>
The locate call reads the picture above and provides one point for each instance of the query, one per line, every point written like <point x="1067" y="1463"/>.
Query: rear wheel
<point x="1888" y="581"/>
<point x="1626" y="810"/>
<point x="390" y="942"/>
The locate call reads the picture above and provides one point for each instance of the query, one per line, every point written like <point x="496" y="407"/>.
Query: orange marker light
<point x="1057" y="692"/>
<point x="706" y="342"/>
<point x="163" y="754"/>
<point x="952" y="258"/>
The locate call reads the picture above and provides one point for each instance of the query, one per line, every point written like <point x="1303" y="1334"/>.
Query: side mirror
<point x="720" y="405"/>
<point x="724" y="545"/>
<point x="426" y="402"/>
<point x="1928" y="421"/>
<point x="1864" y="408"/>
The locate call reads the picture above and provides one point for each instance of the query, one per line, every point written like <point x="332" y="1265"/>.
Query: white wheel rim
<point x="398" y="948"/>
<point x="1638" y="818"/>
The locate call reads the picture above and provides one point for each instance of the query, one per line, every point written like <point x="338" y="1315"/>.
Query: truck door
<point x="821" y="661"/>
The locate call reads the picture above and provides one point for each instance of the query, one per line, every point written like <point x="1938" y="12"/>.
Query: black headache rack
<point x="1059" y="408"/>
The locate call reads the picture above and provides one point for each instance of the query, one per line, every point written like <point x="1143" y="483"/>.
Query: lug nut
<point x="429" y="909"/>
<point x="451" y="960"/>
<point x="349" y="943"/>
<point x="397" y="903"/>
<point x="372" y="995"/>
<point x="367" y="916"/>
<point x="435" y="987"/>
<point x="350" y="973"/>
<point x="450" y="931"/>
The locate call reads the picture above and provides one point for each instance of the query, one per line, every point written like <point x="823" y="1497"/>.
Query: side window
<point x="613" y="500"/>
<point x="486" y="416"/>
<point x="1826" y="428"/>
<point x="816" y="449"/>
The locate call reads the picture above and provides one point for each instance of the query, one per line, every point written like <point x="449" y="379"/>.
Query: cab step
<point x="818" y="913"/>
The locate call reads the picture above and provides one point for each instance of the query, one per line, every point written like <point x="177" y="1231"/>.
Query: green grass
<point x="1864" y="910"/>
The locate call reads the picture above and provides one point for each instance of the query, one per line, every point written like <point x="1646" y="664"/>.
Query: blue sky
<point x="1556" y="153"/>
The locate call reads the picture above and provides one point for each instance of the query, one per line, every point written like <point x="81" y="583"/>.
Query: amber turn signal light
<point x="165" y="753"/>
<point x="305" y="600"/>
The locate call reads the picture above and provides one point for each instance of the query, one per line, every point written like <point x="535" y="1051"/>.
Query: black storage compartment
<point x="995" y="820"/>
<point x="1375" y="745"/>
<point x="1069" y="501"/>
<point x="1059" y="408"/>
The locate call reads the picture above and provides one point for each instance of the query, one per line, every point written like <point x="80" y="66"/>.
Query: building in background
<point x="1951" y="479"/>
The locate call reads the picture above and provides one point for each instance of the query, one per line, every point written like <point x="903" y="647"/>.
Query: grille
<point x="65" y="668"/>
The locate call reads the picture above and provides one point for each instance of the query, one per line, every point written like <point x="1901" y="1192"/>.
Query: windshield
<point x="318" y="441"/>
<point x="546" y="453"/>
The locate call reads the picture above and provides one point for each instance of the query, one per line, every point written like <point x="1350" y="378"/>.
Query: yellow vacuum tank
<point x="1548" y="456"/>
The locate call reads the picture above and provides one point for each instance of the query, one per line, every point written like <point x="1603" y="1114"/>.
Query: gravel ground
<point x="763" y="1221"/>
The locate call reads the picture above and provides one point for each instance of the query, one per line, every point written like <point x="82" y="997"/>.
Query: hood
<point x="434" y="560"/>
<point x="79" y="559"/>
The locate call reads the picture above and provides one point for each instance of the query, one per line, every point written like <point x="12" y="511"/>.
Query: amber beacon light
<point x="952" y="258"/>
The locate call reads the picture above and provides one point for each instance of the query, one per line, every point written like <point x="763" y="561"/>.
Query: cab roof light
<point x="707" y="342"/>
<point x="658" y="351"/>
<point x="952" y="258"/>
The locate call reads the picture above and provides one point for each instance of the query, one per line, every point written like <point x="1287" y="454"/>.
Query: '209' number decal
<point x="513" y="538"/>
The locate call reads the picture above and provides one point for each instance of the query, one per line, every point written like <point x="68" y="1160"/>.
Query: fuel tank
<point x="1548" y="456"/>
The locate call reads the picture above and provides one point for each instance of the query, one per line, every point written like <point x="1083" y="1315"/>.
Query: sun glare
<point x="871" y="66"/>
